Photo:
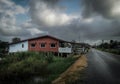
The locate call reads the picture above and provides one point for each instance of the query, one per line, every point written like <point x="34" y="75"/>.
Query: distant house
<point x="42" y="44"/>
<point x="79" y="48"/>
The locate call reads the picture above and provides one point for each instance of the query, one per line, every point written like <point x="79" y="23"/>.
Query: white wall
<point x="18" y="47"/>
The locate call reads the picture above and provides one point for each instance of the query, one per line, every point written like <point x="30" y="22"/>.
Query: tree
<point x="16" y="39"/>
<point x="111" y="41"/>
<point x="3" y="47"/>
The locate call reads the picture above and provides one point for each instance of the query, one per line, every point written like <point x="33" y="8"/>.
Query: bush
<point x="49" y="57"/>
<point x="24" y="63"/>
<point x="59" y="65"/>
<point x="114" y="51"/>
<point x="30" y="64"/>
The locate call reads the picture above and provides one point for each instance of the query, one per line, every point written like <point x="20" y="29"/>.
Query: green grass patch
<point x="114" y="51"/>
<point x="28" y="65"/>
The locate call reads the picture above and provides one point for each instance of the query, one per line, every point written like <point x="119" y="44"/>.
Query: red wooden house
<point x="44" y="44"/>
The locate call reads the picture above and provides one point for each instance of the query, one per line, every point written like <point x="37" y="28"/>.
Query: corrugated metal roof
<point x="38" y="38"/>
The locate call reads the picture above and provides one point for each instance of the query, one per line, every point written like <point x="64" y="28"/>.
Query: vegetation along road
<point x="103" y="68"/>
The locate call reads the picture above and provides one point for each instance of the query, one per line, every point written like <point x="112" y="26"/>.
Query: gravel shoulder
<point x="73" y="72"/>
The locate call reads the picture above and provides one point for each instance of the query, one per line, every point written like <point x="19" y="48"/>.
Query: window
<point x="22" y="45"/>
<point x="33" y="45"/>
<point x="53" y="45"/>
<point x="42" y="45"/>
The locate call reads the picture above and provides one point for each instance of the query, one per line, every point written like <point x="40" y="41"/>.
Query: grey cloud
<point x="8" y="24"/>
<point x="43" y="15"/>
<point x="51" y="2"/>
<point x="97" y="21"/>
<point x="92" y="31"/>
<point x="101" y="7"/>
<point x="102" y="26"/>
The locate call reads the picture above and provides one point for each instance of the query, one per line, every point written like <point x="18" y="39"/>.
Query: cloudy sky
<point x="84" y="20"/>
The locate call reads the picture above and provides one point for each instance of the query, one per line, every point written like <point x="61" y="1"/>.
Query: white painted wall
<point x="18" y="47"/>
<point x="65" y="50"/>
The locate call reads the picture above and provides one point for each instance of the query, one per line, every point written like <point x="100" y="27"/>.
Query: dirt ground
<point x="72" y="73"/>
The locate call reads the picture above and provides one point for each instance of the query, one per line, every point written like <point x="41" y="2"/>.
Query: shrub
<point x="24" y="63"/>
<point x="32" y="64"/>
<point x="60" y="64"/>
<point x="49" y="58"/>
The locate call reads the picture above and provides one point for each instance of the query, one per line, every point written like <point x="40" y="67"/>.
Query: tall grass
<point x="114" y="51"/>
<point x="28" y="65"/>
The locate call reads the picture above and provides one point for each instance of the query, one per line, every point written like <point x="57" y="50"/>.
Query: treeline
<point x="110" y="45"/>
<point x="3" y="47"/>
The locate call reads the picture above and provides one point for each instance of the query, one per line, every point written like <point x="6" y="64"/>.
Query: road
<point x="103" y="68"/>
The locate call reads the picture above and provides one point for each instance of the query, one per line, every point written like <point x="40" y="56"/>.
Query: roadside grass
<point x="33" y="67"/>
<point x="114" y="51"/>
<point x="73" y="73"/>
<point x="81" y="78"/>
<point x="59" y="66"/>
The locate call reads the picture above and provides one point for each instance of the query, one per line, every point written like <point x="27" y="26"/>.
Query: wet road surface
<point x="103" y="68"/>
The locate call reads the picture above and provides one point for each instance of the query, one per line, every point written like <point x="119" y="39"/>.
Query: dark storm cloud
<point x="101" y="7"/>
<point x="100" y="19"/>
<point x="108" y="25"/>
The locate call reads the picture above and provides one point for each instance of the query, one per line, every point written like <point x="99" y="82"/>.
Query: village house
<point x="80" y="48"/>
<point x="42" y="44"/>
